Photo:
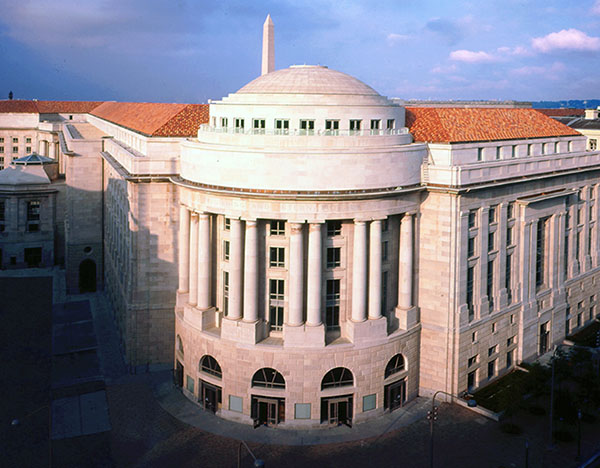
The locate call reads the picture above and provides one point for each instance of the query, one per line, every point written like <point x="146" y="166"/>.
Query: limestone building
<point x="306" y="252"/>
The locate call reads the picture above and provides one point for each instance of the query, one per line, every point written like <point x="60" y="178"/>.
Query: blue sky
<point x="191" y="51"/>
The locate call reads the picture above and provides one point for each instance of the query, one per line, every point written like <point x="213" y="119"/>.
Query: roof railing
<point x="299" y="132"/>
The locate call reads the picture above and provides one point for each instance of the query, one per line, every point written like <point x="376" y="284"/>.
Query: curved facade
<point x="297" y="231"/>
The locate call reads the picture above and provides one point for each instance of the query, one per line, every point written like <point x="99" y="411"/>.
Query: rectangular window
<point x="508" y="278"/>
<point x="28" y="149"/>
<point x="226" y="250"/>
<point x="334" y="228"/>
<point x="277" y="257"/>
<point x="28" y="140"/>
<point x="510" y="341"/>
<point x="492" y="214"/>
<point x="472" y="218"/>
<point x="479" y="154"/>
<point x="276" y="301"/>
<point x="470" y="292"/>
<point x="333" y="257"/>
<point x="509" y="358"/>
<point x="282" y="124"/>
<point x="332" y="304"/>
<point x="1" y="139"/>
<point x="491" y="237"/>
<point x="512" y="319"/>
<point x="307" y="125"/>
<point x="509" y="236"/>
<point x="540" y="253"/>
<point x="556" y="147"/>
<point x="259" y="125"/>
<point x="471" y="380"/>
<point x="593" y="144"/>
<point x="391" y="124"/>
<point x="494" y="327"/>
<point x="15" y="149"/>
<point x="225" y="292"/>
<point x="570" y="146"/>
<point x="498" y="152"/>
<point x="385" y="225"/>
<point x="529" y="150"/>
<point x="375" y="124"/>
<point x="1" y="149"/>
<point x="239" y="124"/>
<point x="15" y="140"/>
<point x="332" y="125"/>
<point x="384" y="251"/>
<point x="544" y="148"/>
<point x="33" y="210"/>
<point x="510" y="210"/>
<point x="491" y="368"/>
<point x="472" y="360"/>
<point x="474" y="337"/>
<point x="471" y="247"/>
<point x="224" y="122"/>
<point x="227" y="224"/>
<point x="384" y="292"/>
<point x="490" y="284"/>
<point x="277" y="228"/>
<point x="355" y="125"/>
<point x="513" y="152"/>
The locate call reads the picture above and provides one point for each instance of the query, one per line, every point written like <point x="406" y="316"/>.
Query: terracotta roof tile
<point x="455" y="125"/>
<point x="155" y="119"/>
<point x="67" y="107"/>
<point x="18" y="106"/>
<point x="562" y="112"/>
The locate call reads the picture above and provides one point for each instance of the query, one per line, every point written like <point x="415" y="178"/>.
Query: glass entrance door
<point x="268" y="411"/>
<point x="337" y="411"/>
<point x="395" y="395"/>
<point x="210" y="396"/>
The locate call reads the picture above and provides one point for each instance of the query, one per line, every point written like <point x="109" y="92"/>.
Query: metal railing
<point x="299" y="132"/>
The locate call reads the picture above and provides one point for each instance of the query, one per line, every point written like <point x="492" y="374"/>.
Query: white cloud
<point x="566" y="39"/>
<point x="550" y="72"/>
<point x="518" y="51"/>
<point x="394" y="38"/>
<point x="596" y="8"/>
<point x="471" y="56"/>
<point x="444" y="69"/>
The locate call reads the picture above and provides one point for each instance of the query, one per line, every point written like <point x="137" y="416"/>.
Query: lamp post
<point x="578" y="435"/>
<point x="258" y="463"/>
<point x="432" y="416"/>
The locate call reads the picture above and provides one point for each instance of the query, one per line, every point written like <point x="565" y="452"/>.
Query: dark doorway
<point x="394" y="395"/>
<point x="33" y="257"/>
<point x="544" y="337"/>
<point x="268" y="411"/>
<point x="337" y="410"/>
<point x="179" y="374"/>
<point x="87" y="276"/>
<point x="210" y="396"/>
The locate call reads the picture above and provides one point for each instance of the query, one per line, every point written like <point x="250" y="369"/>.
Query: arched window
<point x="179" y="345"/>
<point x="209" y="365"/>
<point x="395" y="365"/>
<point x="338" y="377"/>
<point x="268" y="378"/>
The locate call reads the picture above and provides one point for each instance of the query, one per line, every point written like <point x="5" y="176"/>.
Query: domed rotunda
<point x="296" y="285"/>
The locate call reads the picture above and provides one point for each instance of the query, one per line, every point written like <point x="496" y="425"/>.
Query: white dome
<point x="307" y="79"/>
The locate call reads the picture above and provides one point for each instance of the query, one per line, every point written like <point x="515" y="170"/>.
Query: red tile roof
<point x="18" y="106"/>
<point x="456" y="125"/>
<point x="155" y="119"/>
<point x="562" y="112"/>
<point x="67" y="107"/>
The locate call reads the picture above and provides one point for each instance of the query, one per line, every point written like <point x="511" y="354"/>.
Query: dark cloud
<point x="450" y="31"/>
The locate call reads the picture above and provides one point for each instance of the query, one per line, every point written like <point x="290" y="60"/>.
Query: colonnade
<point x="195" y="268"/>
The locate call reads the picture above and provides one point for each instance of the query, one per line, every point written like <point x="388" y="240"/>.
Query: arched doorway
<point x="87" y="276"/>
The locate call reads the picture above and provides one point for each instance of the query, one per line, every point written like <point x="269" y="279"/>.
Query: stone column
<point x="405" y="262"/>
<point x="204" y="261"/>
<point x="193" y="299"/>
<point x="359" y="272"/>
<point x="235" y="270"/>
<point x="251" y="272"/>
<point x="52" y="149"/>
<point x="184" y="249"/>
<point x="375" y="269"/>
<point x="315" y="267"/>
<point x="295" y="289"/>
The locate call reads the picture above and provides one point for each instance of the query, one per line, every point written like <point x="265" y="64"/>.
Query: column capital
<point x="194" y="214"/>
<point x="251" y="223"/>
<point x="315" y="226"/>
<point x="295" y="228"/>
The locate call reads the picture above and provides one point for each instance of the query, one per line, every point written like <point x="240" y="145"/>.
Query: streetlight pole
<point x="578" y="434"/>
<point x="258" y="463"/>
<point x="432" y="416"/>
<point x="526" y="454"/>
